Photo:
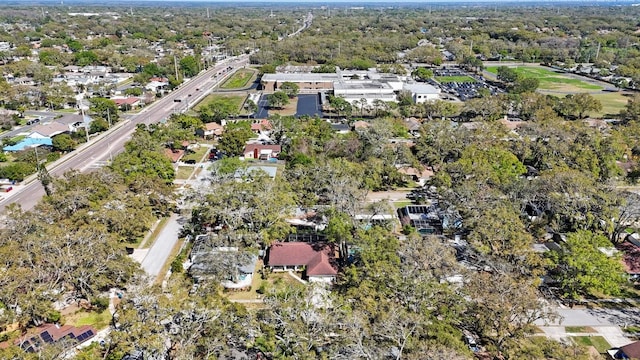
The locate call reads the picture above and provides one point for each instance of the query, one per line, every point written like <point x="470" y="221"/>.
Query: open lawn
<point x="197" y="155"/>
<point x="99" y="320"/>
<point x="184" y="172"/>
<point x="551" y="80"/>
<point x="612" y="103"/>
<point x="239" y="80"/>
<point x="235" y="100"/>
<point x="290" y="109"/>
<point x="596" y="341"/>
<point x="579" y="329"/>
<point x="458" y="79"/>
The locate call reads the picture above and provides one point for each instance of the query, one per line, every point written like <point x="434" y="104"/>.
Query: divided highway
<point x="99" y="150"/>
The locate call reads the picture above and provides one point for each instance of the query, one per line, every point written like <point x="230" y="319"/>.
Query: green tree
<point x="631" y="110"/>
<point x="525" y="85"/>
<point x="217" y="110"/>
<point x="105" y="109"/>
<point x="84" y="58"/>
<point x="507" y="74"/>
<point x="289" y="88"/>
<point x="585" y="270"/>
<point x="581" y="104"/>
<point x="278" y="99"/>
<point x="422" y="74"/>
<point x="98" y="125"/>
<point x="189" y="66"/>
<point x="64" y="143"/>
<point x="235" y="137"/>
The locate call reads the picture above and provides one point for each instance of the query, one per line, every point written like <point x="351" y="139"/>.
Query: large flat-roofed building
<point x="355" y="90"/>
<point x="306" y="82"/>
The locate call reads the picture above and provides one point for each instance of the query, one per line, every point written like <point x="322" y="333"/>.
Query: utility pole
<point x="108" y="117"/>
<point x="175" y="65"/>
<point x="86" y="126"/>
<point x="597" y="51"/>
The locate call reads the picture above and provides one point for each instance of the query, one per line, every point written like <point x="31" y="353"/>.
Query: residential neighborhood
<point x="319" y="181"/>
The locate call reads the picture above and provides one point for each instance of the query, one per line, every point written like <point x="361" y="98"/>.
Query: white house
<point x="422" y="92"/>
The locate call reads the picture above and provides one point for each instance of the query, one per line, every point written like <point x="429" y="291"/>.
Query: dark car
<point x="190" y="161"/>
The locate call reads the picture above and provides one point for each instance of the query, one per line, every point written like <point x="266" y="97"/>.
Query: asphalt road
<point x="161" y="249"/>
<point x="98" y="152"/>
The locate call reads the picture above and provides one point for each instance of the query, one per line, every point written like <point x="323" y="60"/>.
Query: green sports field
<point x="458" y="79"/>
<point x="551" y="80"/>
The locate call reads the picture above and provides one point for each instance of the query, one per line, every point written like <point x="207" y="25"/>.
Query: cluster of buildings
<point x="43" y="134"/>
<point x="352" y="85"/>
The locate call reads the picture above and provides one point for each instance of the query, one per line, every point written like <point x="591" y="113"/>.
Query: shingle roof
<point x="320" y="259"/>
<point x="632" y="350"/>
<point x="51" y="333"/>
<point x="51" y="129"/>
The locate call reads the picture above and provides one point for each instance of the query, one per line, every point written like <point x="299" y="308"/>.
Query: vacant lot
<point x="458" y="79"/>
<point x="551" y="80"/>
<point x="239" y="80"/>
<point x="235" y="101"/>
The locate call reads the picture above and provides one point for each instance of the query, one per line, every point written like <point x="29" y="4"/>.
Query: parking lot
<point x="461" y="84"/>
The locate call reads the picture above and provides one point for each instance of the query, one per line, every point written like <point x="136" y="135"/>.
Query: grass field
<point x="99" y="320"/>
<point x="235" y="100"/>
<point x="239" y="80"/>
<point x="184" y="172"/>
<point x="459" y="79"/>
<point x="596" y="341"/>
<point x="612" y="103"/>
<point x="551" y="80"/>
<point x="197" y="155"/>
<point x="580" y="329"/>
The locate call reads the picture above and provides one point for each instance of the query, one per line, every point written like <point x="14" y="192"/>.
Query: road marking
<point x="98" y="164"/>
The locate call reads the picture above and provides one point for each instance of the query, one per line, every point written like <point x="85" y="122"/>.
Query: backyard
<point x="260" y="286"/>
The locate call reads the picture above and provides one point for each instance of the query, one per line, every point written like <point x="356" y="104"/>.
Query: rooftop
<point x="309" y="77"/>
<point x="319" y="258"/>
<point x="361" y="85"/>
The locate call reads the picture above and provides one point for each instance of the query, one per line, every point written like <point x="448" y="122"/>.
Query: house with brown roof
<point x="127" y="103"/>
<point x="629" y="351"/>
<point x="261" y="151"/>
<point x="630" y="249"/>
<point x="318" y="261"/>
<point x="360" y="125"/>
<point x="174" y="154"/>
<point x="52" y="333"/>
<point x="260" y="126"/>
<point x="210" y="130"/>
